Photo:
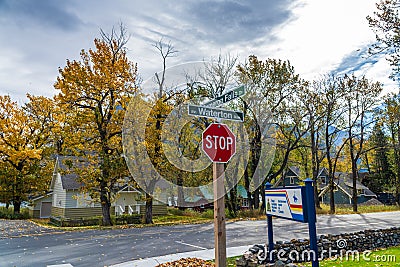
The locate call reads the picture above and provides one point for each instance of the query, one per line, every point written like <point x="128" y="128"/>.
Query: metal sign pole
<point x="312" y="218"/>
<point x="270" y="228"/>
<point x="219" y="215"/>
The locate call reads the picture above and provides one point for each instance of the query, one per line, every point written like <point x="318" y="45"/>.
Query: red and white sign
<point x="219" y="143"/>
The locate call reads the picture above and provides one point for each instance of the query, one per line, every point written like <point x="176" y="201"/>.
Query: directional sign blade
<point x="218" y="113"/>
<point x="228" y="96"/>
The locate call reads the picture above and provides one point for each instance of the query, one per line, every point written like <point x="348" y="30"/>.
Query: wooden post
<point x="219" y="215"/>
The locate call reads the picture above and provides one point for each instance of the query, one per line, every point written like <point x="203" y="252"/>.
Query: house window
<point x="323" y="179"/>
<point x="245" y="203"/>
<point x="291" y="180"/>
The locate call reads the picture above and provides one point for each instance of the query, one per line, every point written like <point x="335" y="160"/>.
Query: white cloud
<point x="317" y="36"/>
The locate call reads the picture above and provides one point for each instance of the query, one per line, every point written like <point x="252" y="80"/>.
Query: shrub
<point x="128" y="219"/>
<point x="9" y="214"/>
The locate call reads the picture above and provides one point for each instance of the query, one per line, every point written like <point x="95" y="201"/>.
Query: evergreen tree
<point x="382" y="175"/>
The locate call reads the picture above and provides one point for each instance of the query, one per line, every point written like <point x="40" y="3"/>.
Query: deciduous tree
<point x="25" y="141"/>
<point x="97" y="88"/>
<point x="385" y="22"/>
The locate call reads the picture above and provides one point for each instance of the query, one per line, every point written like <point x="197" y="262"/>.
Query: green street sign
<point x="228" y="96"/>
<point x="217" y="113"/>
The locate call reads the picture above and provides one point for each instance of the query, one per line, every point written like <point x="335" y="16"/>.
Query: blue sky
<point x="317" y="36"/>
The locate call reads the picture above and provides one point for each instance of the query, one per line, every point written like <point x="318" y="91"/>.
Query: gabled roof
<point x="36" y="198"/>
<point x="345" y="183"/>
<point x="241" y="191"/>
<point x="127" y="188"/>
<point x="207" y="192"/>
<point x="293" y="169"/>
<point x="68" y="181"/>
<point x="321" y="171"/>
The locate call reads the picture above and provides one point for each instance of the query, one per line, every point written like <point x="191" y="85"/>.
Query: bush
<point x="65" y="222"/>
<point x="119" y="220"/>
<point x="208" y="214"/>
<point x="250" y="213"/>
<point x="128" y="219"/>
<point x="9" y="214"/>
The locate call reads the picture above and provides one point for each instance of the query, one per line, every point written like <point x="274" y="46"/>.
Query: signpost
<point x="219" y="144"/>
<point x="215" y="113"/>
<point x="228" y="96"/>
<point x="293" y="203"/>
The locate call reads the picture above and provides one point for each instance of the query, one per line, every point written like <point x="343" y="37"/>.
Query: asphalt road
<point x="27" y="245"/>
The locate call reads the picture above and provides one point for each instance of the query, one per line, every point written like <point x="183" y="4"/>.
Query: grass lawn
<point x="231" y="261"/>
<point x="361" y="209"/>
<point x="378" y="258"/>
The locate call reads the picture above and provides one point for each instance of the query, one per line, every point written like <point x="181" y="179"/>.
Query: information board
<point x="286" y="203"/>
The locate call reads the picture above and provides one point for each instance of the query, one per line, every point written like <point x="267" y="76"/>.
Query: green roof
<point x="241" y="191"/>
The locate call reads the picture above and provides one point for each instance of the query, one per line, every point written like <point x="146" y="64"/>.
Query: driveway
<point x="20" y="228"/>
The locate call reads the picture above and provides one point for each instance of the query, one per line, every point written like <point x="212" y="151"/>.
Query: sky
<point x="316" y="36"/>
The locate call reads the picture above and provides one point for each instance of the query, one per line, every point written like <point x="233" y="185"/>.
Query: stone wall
<point x="343" y="245"/>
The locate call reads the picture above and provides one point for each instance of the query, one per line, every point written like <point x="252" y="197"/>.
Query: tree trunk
<point x="397" y="155"/>
<point x="354" y="193"/>
<point x="353" y="172"/>
<point x="149" y="209"/>
<point x="247" y="187"/>
<point x="181" y="197"/>
<point x="331" y="196"/>
<point x="256" y="198"/>
<point x="17" y="205"/>
<point x="105" y="208"/>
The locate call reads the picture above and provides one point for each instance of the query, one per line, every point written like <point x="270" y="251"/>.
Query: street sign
<point x="293" y="203"/>
<point x="286" y="202"/>
<point x="228" y="96"/>
<point x="219" y="143"/>
<point x="218" y="113"/>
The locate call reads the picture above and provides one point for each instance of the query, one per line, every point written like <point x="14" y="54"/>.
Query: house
<point x="343" y="186"/>
<point x="291" y="177"/>
<point x="68" y="201"/>
<point x="40" y="206"/>
<point x="343" y="190"/>
<point x="322" y="178"/>
<point x="243" y="198"/>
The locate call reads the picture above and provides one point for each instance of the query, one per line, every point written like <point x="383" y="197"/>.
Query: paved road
<point x="40" y="247"/>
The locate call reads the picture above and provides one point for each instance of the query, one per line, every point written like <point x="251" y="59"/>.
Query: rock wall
<point x="346" y="245"/>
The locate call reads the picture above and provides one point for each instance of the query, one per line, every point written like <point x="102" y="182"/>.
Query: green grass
<point x="378" y="258"/>
<point x="231" y="261"/>
<point x="176" y="216"/>
<point x="361" y="209"/>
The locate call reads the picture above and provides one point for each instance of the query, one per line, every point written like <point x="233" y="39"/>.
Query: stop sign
<point x="219" y="143"/>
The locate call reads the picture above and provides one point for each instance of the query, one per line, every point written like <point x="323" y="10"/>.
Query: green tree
<point x="274" y="93"/>
<point x="25" y="142"/>
<point x="392" y="121"/>
<point x="382" y="174"/>
<point x="97" y="89"/>
<point x="361" y="97"/>
<point x="385" y="22"/>
<point x="331" y="97"/>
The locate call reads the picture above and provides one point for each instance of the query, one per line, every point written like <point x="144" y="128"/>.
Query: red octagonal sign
<point x="219" y="143"/>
